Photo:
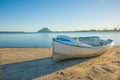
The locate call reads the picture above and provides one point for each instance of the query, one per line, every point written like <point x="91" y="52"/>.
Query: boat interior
<point x="91" y="41"/>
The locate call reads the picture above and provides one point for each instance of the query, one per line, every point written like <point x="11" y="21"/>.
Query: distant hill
<point x="44" y="30"/>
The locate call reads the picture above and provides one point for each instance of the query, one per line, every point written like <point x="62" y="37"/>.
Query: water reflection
<point x="45" y="39"/>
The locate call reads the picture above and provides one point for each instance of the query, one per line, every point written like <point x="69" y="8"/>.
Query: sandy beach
<point x="36" y="64"/>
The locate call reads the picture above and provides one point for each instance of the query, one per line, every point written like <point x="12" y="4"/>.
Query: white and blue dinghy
<point x="65" y="47"/>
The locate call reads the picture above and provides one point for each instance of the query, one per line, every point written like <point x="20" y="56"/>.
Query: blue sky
<point x="58" y="15"/>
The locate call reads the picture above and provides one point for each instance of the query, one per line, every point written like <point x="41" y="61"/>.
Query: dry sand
<point x="36" y="64"/>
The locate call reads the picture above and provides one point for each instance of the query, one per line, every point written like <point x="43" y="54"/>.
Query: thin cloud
<point x="102" y="0"/>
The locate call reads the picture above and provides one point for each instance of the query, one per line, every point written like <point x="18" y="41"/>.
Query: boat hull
<point x="63" y="51"/>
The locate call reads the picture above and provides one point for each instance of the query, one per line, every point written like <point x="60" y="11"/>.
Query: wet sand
<point x="36" y="64"/>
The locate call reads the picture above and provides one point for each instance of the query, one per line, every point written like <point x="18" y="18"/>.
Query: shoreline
<point x="36" y="64"/>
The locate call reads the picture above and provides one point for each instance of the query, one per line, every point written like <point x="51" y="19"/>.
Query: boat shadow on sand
<point x="29" y="70"/>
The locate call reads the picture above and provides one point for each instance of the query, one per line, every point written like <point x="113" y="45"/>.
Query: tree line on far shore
<point x="115" y="29"/>
<point x="45" y="29"/>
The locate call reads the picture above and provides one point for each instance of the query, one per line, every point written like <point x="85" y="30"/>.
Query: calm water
<point x="45" y="39"/>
